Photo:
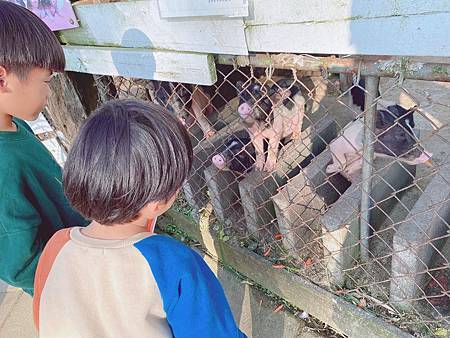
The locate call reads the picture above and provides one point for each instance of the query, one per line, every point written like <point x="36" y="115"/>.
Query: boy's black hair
<point x="26" y="42"/>
<point x="127" y="154"/>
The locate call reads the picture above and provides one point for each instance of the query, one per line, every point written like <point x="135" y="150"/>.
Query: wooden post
<point x="65" y="110"/>
<point x="370" y="106"/>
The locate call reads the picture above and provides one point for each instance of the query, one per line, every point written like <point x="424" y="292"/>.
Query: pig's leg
<point x="274" y="136"/>
<point x="297" y="120"/>
<point x="258" y="142"/>
<point x="283" y="126"/>
<point x="319" y="93"/>
<point x="200" y="104"/>
<point x="338" y="149"/>
<point x="355" y="162"/>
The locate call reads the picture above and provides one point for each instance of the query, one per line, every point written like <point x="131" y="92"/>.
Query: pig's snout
<point x="244" y="110"/>
<point x="425" y="157"/>
<point x="219" y="161"/>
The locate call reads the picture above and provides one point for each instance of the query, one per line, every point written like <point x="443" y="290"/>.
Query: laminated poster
<point x="57" y="14"/>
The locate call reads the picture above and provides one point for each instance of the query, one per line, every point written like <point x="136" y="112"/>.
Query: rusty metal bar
<point x="382" y="66"/>
<point x="372" y="83"/>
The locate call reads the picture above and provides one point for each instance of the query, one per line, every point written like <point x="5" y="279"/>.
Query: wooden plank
<point x="381" y="27"/>
<point x="142" y="63"/>
<point x="421" y="35"/>
<point x="322" y="304"/>
<point x="267" y="12"/>
<point x="138" y="24"/>
<point x="183" y="8"/>
<point x="415" y="67"/>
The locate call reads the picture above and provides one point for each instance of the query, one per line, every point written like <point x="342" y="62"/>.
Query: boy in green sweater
<point x="32" y="204"/>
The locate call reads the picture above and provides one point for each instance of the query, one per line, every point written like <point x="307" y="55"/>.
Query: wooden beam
<point x="183" y="8"/>
<point x="138" y="24"/>
<point x="381" y="27"/>
<point x="267" y="12"/>
<point x="415" y="68"/>
<point x="322" y="304"/>
<point x="142" y="63"/>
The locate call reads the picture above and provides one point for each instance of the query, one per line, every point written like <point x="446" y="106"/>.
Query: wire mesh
<point x="278" y="165"/>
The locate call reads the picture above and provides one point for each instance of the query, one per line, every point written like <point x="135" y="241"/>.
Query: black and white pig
<point x="395" y="137"/>
<point x="185" y="101"/>
<point x="237" y="154"/>
<point x="273" y="113"/>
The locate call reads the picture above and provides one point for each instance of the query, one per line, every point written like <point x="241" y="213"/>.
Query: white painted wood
<point x="265" y="12"/>
<point x="142" y="63"/>
<point x="138" y="24"/>
<point x="197" y="8"/>
<point x="371" y="27"/>
<point x="419" y="35"/>
<point x="381" y="27"/>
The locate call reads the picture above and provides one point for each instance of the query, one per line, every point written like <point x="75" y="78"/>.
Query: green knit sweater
<point x="32" y="204"/>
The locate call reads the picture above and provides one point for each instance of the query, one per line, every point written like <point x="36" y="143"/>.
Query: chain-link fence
<point x="341" y="178"/>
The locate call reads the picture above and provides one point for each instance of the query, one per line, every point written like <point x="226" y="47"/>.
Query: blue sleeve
<point x="193" y="298"/>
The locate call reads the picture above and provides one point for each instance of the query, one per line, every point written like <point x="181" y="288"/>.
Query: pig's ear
<point x="409" y="120"/>
<point x="384" y="119"/>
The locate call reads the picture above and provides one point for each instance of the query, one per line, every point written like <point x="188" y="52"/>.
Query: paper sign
<point x="193" y="8"/>
<point x="57" y="14"/>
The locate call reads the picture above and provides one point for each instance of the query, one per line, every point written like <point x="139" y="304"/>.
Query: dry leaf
<point x="362" y="303"/>
<point x="308" y="262"/>
<point x="278" y="309"/>
<point x="278" y="266"/>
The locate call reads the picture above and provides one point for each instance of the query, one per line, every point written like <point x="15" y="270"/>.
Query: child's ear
<point x="3" y="74"/>
<point x="153" y="207"/>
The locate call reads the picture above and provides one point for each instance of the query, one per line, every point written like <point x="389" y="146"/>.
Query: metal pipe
<point x="372" y="83"/>
<point x="382" y="66"/>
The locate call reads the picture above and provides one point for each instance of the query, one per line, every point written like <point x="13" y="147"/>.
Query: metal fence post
<point x="372" y="83"/>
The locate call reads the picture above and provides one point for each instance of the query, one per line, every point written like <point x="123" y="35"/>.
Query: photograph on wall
<point x="57" y="14"/>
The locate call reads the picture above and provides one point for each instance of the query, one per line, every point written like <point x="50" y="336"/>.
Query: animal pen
<point x="359" y="239"/>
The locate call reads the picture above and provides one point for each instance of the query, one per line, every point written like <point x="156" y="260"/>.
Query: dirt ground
<point x="433" y="98"/>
